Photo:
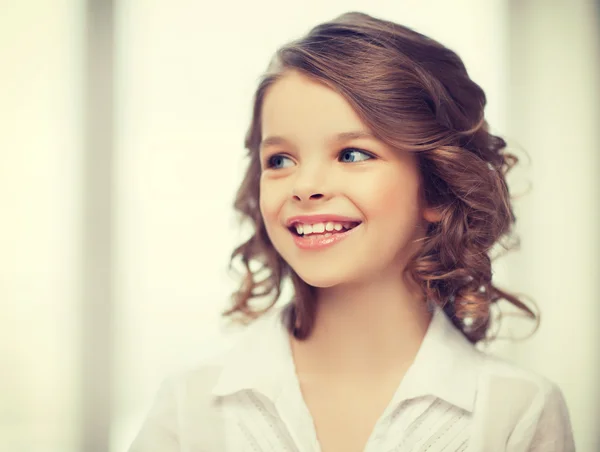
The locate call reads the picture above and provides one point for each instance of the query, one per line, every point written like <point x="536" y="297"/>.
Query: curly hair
<point x="416" y="96"/>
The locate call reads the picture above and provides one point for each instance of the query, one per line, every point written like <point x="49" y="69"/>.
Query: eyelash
<point x="269" y="163"/>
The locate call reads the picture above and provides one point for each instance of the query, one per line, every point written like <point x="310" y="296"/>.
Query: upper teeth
<point x="319" y="228"/>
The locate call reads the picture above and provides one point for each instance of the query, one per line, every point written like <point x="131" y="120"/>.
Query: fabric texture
<point x="453" y="398"/>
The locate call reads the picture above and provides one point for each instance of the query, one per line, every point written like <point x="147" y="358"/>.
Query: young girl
<point x="376" y="188"/>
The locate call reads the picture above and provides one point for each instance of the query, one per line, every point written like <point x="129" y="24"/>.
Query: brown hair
<point x="416" y="96"/>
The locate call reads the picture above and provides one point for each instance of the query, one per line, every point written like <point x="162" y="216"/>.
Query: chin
<point x="323" y="279"/>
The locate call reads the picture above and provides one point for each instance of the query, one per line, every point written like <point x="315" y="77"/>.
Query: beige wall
<point x="554" y="115"/>
<point x="40" y="108"/>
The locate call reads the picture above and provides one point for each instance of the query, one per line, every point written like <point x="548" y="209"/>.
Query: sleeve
<point x="159" y="432"/>
<point x="546" y="427"/>
<point x="553" y="431"/>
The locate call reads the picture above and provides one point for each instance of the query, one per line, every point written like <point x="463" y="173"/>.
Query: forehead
<point x="298" y="106"/>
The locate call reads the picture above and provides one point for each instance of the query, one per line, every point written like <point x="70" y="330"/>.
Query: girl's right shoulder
<point x="230" y="344"/>
<point x="186" y="413"/>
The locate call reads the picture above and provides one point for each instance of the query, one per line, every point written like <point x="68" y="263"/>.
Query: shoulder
<point x="516" y="382"/>
<point x="233" y="350"/>
<point x="524" y="407"/>
<point x="185" y="414"/>
<point x="190" y="386"/>
<point x="500" y="369"/>
<point x="198" y="379"/>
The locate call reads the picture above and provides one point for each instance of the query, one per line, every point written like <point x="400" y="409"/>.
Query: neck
<point x="370" y="327"/>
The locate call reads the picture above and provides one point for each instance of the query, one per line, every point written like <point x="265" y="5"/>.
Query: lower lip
<point x="320" y="241"/>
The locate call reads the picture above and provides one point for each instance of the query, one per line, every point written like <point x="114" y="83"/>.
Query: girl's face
<point x="339" y="205"/>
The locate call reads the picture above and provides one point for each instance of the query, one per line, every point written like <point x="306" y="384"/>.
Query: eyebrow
<point x="340" y="137"/>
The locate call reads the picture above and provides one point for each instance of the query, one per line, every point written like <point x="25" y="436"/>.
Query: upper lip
<point x="320" y="218"/>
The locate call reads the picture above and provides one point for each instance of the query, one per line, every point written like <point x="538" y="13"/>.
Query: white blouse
<point x="453" y="398"/>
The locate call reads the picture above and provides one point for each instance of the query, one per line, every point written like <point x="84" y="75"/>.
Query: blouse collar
<point x="446" y="366"/>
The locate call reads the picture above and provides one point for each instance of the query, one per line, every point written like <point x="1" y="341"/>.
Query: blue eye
<point x="279" y="161"/>
<point x="352" y="155"/>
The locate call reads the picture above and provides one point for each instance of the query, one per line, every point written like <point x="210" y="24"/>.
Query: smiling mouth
<point x="322" y="229"/>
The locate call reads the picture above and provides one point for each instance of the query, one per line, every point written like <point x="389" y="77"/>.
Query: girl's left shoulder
<point x="521" y="408"/>
<point x="509" y="378"/>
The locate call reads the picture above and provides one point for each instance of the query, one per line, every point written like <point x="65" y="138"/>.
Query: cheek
<point x="391" y="196"/>
<point x="401" y="200"/>
<point x="269" y="202"/>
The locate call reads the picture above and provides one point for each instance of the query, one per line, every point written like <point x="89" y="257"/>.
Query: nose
<point x="310" y="184"/>
<point x="313" y="196"/>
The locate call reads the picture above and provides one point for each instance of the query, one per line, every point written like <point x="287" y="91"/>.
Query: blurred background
<point x="121" y="148"/>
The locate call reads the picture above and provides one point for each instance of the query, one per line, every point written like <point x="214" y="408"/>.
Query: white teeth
<point x="320" y="228"/>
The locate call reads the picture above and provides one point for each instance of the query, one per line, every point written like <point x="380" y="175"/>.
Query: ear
<point x="432" y="215"/>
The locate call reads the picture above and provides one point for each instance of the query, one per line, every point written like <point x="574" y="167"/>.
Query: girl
<point x="376" y="188"/>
